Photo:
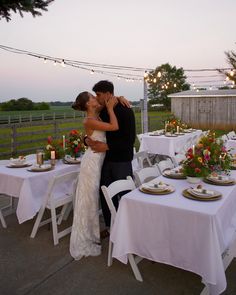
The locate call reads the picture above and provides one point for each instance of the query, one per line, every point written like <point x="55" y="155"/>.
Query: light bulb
<point x="154" y="80"/>
<point x="145" y="74"/>
<point x="231" y="73"/>
<point x="63" y="63"/>
<point x="45" y="60"/>
<point x="159" y="74"/>
<point x="55" y="63"/>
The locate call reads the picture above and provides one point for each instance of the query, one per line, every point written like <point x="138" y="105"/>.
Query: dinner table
<point x="166" y="144"/>
<point x="28" y="185"/>
<point x="191" y="234"/>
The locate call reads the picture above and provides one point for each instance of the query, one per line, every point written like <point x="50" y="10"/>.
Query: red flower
<point x="197" y="170"/>
<point x="49" y="140"/>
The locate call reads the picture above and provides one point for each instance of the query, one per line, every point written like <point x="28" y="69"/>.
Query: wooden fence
<point x="25" y="137"/>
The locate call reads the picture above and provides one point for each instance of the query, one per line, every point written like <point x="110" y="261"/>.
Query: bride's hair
<point x="81" y="100"/>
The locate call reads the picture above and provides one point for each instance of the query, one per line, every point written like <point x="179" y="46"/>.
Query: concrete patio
<point x="35" y="267"/>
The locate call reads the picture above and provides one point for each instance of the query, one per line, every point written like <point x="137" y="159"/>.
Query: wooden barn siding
<point x="206" y="112"/>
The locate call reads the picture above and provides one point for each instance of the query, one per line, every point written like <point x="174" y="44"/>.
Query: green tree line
<point x="23" y="104"/>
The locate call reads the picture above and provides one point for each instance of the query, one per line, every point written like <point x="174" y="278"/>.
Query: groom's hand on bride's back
<point x="98" y="146"/>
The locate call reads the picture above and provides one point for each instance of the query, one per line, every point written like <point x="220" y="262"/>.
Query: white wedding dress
<point x="85" y="235"/>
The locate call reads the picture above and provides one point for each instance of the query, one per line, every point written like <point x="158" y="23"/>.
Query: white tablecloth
<point x="231" y="144"/>
<point x="163" y="145"/>
<point x="29" y="187"/>
<point x="174" y="230"/>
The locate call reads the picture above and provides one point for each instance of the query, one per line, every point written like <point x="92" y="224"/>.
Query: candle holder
<point x="53" y="162"/>
<point x="39" y="157"/>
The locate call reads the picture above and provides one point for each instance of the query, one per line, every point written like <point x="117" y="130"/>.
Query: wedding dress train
<point x="85" y="235"/>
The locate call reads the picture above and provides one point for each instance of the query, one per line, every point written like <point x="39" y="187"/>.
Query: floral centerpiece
<point x="54" y="145"/>
<point x="74" y="144"/>
<point x="174" y="125"/>
<point x="207" y="156"/>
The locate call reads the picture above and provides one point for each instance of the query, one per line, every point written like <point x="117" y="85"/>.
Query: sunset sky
<point x="187" y="33"/>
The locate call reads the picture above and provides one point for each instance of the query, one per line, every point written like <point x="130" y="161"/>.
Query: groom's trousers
<point x="112" y="171"/>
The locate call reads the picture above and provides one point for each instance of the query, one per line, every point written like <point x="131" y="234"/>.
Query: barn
<point x="206" y="109"/>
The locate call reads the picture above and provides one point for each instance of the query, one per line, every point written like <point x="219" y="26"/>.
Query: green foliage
<point x="23" y="104"/>
<point x="34" y="7"/>
<point x="170" y="80"/>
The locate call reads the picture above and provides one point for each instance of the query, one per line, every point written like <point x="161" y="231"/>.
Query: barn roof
<point x="205" y="93"/>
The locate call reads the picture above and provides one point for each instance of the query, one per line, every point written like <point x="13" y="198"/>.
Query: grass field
<point x="33" y="137"/>
<point x="26" y="135"/>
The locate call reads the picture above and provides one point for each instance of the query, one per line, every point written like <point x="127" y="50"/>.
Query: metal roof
<point x="205" y="93"/>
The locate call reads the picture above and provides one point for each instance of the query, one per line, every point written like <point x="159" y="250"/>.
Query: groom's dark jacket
<point x="120" y="142"/>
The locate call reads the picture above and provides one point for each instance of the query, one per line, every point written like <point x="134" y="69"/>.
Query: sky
<point x="192" y="34"/>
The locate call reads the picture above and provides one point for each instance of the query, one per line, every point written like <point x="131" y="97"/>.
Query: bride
<point x="85" y="235"/>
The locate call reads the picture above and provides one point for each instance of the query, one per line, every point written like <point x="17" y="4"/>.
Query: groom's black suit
<point x="117" y="162"/>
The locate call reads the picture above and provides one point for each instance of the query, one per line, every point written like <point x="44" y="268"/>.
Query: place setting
<point x="40" y="166"/>
<point x="71" y="160"/>
<point x="19" y="162"/>
<point x="200" y="193"/>
<point x="159" y="188"/>
<point x="175" y="173"/>
<point x="218" y="179"/>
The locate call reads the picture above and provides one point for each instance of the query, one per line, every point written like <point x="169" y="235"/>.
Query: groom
<point x="119" y="146"/>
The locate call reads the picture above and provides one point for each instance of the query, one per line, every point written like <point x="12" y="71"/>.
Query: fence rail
<point x="25" y="137"/>
<point x="21" y="118"/>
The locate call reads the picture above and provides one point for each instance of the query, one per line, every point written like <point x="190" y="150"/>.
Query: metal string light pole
<point x="145" y="105"/>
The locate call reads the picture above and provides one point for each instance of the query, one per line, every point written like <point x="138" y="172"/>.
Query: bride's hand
<point x="110" y="103"/>
<point x="124" y="101"/>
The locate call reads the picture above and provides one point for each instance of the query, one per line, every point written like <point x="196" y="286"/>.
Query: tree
<point x="231" y="59"/>
<point x="32" y="6"/>
<point x="163" y="81"/>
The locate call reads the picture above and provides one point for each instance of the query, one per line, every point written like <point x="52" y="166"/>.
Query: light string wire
<point x="103" y="68"/>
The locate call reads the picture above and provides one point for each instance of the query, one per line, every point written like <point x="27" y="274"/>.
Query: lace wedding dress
<point x="85" y="235"/>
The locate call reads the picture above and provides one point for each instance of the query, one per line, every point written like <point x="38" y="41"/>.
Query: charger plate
<point x="207" y="180"/>
<point x="186" y="194"/>
<point x="19" y="165"/>
<point x="171" y="135"/>
<point x="44" y="168"/>
<point x="173" y="175"/>
<point x="71" y="161"/>
<point x="170" y="190"/>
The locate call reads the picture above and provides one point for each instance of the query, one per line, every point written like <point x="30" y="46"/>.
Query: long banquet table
<point x="164" y="145"/>
<point x="172" y="229"/>
<point x="29" y="187"/>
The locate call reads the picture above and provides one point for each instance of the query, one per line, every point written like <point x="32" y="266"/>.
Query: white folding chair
<point x="231" y="134"/>
<point x="146" y="174"/>
<point x="3" y="222"/>
<point x="224" y="138"/>
<point x="178" y="159"/>
<point x="61" y="192"/>
<point x="141" y="160"/>
<point x="10" y="204"/>
<point x="165" y="164"/>
<point x="109" y="192"/>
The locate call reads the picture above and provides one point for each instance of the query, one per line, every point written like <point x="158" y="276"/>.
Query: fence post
<point x="9" y="119"/>
<point x="19" y="118"/>
<point x="56" y="128"/>
<point x="30" y="117"/>
<point x="13" y="140"/>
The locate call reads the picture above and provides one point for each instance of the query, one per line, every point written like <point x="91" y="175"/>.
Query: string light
<point x="63" y="63"/>
<point x="231" y="73"/>
<point x="108" y="69"/>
